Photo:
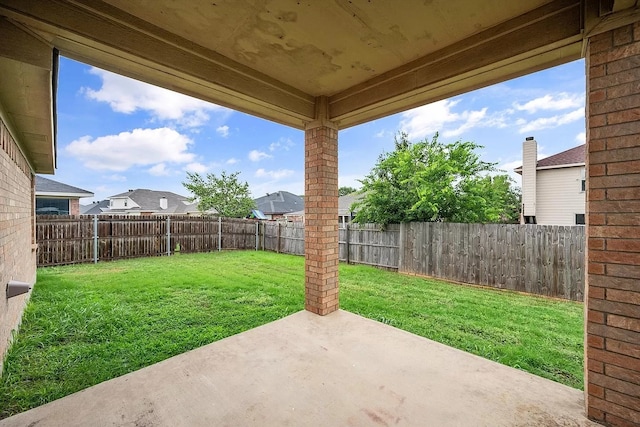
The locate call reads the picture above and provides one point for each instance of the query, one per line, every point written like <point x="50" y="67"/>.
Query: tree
<point x="431" y="181"/>
<point x="226" y="194"/>
<point x="343" y="191"/>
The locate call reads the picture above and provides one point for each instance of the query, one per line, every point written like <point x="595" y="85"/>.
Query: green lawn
<point x="89" y="323"/>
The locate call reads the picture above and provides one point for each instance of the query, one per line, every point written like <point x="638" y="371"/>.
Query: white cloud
<point x="232" y="161"/>
<point x="439" y="117"/>
<point x="140" y="147"/>
<point x="158" y="170"/>
<point x="282" y="144"/>
<point x="275" y="175"/>
<point x="115" y="177"/>
<point x="581" y="138"/>
<point x="125" y="95"/>
<point x="256" y="156"/>
<point x="196" y="167"/>
<point x="471" y="120"/>
<point x="223" y="131"/>
<point x="558" y="101"/>
<point x="552" y="122"/>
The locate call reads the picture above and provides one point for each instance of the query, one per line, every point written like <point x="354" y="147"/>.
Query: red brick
<point x="623" y="142"/>
<point x="629" y="297"/>
<point x="629" y="63"/>
<point x="596" y="219"/>
<point x="597" y="170"/>
<point x="613" y="307"/>
<point x="595" y="390"/>
<point x="596" y="244"/>
<point x="615" y="409"/>
<point x="623" y="245"/>
<point x="624" y="167"/>
<point x="623" y="322"/>
<point x="595" y="413"/>
<point x="614" y="231"/>
<point x="616" y="155"/>
<point x="610" y="257"/>
<point x="595" y="366"/>
<point x="595" y="341"/>
<point x="622" y="116"/>
<point x="609" y="382"/>
<point x="609" y="331"/>
<point x="620" y="270"/>
<point x="596" y="268"/>
<point x="597" y="145"/>
<point x="595" y="316"/>
<point x="614" y="421"/>
<point x="623" y="374"/>
<point x="596" y="292"/>
<point x="601" y="43"/>
<point x="623" y="35"/>
<point x="614" y="207"/>
<point x="625" y="348"/>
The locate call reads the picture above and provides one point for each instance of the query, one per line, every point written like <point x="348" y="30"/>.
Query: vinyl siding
<point x="559" y="196"/>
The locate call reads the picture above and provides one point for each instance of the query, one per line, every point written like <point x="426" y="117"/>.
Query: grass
<point x="88" y="323"/>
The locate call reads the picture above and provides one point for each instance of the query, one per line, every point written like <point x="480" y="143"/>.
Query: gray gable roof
<point x="149" y="200"/>
<point x="345" y="202"/>
<point x="279" y="202"/>
<point x="46" y="186"/>
<point x="94" y="208"/>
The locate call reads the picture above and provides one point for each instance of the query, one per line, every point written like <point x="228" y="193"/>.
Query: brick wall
<point x="74" y="207"/>
<point x="17" y="257"/>
<point x="321" y="228"/>
<point x="613" y="231"/>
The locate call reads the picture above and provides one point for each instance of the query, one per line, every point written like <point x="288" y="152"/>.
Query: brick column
<point x="612" y="346"/>
<point x="321" y="217"/>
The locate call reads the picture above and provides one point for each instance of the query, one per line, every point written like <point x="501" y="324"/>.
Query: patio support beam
<point x="321" y="212"/>
<point x="612" y="344"/>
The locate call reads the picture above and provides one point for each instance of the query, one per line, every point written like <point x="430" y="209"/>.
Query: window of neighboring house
<point x="46" y="206"/>
<point x="579" y="219"/>
<point x="583" y="180"/>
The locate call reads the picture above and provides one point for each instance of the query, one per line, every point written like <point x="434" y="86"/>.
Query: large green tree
<point x="431" y="181"/>
<point x="226" y="193"/>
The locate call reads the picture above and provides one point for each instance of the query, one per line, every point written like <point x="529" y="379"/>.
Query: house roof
<point x="279" y="202"/>
<point x="571" y="157"/>
<point x="49" y="187"/>
<point x="345" y="202"/>
<point x="95" y="208"/>
<point x="149" y="201"/>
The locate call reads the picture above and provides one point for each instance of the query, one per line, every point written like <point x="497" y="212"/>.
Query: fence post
<point x="278" y="239"/>
<point x="168" y="236"/>
<point x="402" y="242"/>
<point x="346" y="240"/>
<point x="257" y="235"/>
<point x="219" y="233"/>
<point x="95" y="239"/>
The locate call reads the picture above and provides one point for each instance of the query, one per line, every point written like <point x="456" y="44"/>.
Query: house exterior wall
<point x="612" y="344"/>
<point x="17" y="222"/>
<point x="74" y="206"/>
<point x="560" y="196"/>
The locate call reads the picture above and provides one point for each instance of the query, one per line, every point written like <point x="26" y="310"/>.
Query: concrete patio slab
<point x="307" y="370"/>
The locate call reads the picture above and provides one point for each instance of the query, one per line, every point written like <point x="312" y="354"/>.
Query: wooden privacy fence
<point x="69" y="240"/>
<point x="538" y="259"/>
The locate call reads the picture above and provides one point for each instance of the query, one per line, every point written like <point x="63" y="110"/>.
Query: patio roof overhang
<point x="275" y="58"/>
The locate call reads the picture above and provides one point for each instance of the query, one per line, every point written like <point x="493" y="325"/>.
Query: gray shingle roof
<point x="48" y="186"/>
<point x="94" y="208"/>
<point x="149" y="201"/>
<point x="280" y="202"/>
<point x="345" y="202"/>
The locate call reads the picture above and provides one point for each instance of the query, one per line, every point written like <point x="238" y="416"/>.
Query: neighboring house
<point x="345" y="214"/>
<point x="151" y="202"/>
<point x="279" y="204"/>
<point x="95" y="208"/>
<point x="56" y="198"/>
<point x="553" y="189"/>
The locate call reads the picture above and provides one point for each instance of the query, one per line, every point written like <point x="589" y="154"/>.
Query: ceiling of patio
<point x="274" y="58"/>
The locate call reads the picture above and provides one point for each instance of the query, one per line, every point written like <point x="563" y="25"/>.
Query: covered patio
<point x="323" y="67"/>
<point x="309" y="370"/>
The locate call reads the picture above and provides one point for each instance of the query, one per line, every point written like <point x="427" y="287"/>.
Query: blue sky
<point x="116" y="134"/>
